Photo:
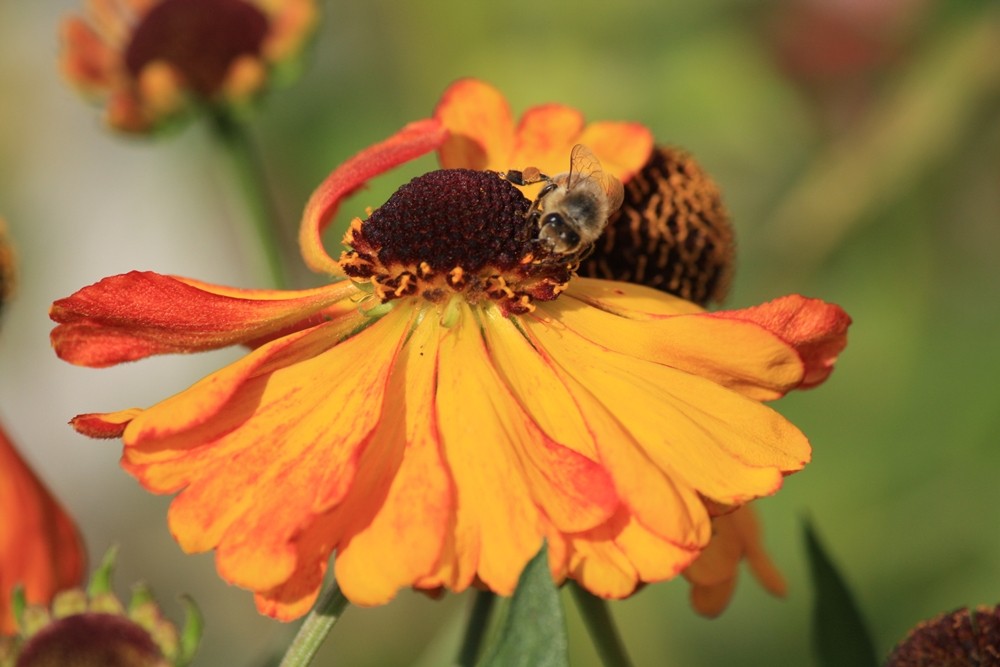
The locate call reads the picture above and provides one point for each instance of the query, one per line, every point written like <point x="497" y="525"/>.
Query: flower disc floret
<point x="216" y="33"/>
<point x="454" y="230"/>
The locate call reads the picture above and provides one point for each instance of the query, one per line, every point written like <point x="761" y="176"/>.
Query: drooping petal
<point x="612" y="559"/>
<point x="40" y="548"/>
<point x="816" y="329"/>
<point x="724" y="445"/>
<point x="510" y="478"/>
<point x="284" y="449"/>
<point x="412" y="141"/>
<point x="568" y="413"/>
<point x="746" y="357"/>
<point x="714" y="574"/>
<point x="480" y="127"/>
<point x="139" y="314"/>
<point x="403" y="502"/>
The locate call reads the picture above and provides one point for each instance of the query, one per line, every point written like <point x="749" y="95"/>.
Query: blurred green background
<point x="857" y="144"/>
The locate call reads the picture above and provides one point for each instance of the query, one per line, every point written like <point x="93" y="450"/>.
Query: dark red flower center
<point x="453" y="217"/>
<point x="455" y="230"/>
<point x="91" y="639"/>
<point x="201" y="38"/>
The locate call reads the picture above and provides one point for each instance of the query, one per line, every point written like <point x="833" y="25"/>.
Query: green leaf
<point x="534" y="632"/>
<point x="840" y="635"/>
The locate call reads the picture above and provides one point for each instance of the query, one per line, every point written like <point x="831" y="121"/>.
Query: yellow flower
<point x="151" y="60"/>
<point x="460" y="400"/>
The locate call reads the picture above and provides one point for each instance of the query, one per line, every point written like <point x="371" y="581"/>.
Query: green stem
<point x="598" y="619"/>
<point x="475" y="631"/>
<point x="315" y="628"/>
<point x="246" y="164"/>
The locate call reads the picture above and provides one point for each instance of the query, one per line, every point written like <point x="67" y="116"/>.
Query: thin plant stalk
<point x="601" y="627"/>
<point x="315" y="628"/>
<point x="246" y="164"/>
<point x="475" y="630"/>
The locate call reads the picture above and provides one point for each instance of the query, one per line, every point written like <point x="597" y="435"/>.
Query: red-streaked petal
<point x="480" y="127"/>
<point x="412" y="141"/>
<point x="510" y="478"/>
<point x="623" y="148"/>
<point x="138" y="314"/>
<point x="397" y="519"/>
<point x="544" y="139"/>
<point x="40" y="548"/>
<point x="568" y="413"/>
<point x="740" y="355"/>
<point x="816" y="329"/>
<point x="284" y="449"/>
<point x="728" y="447"/>
<point x="574" y="490"/>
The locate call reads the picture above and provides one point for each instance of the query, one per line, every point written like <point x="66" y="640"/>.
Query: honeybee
<point x="572" y="208"/>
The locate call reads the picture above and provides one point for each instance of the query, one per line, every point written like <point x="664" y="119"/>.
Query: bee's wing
<point x="583" y="164"/>
<point x="616" y="192"/>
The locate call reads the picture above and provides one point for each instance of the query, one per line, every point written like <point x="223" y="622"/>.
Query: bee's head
<point x="559" y="235"/>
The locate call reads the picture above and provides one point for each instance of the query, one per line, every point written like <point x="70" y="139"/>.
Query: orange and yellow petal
<point x="510" y="479"/>
<point x="480" y="126"/>
<point x="569" y="414"/>
<point x="622" y="147"/>
<point x="284" y="450"/>
<point x="40" y="547"/>
<point x="713" y="575"/>
<point x="614" y="559"/>
<point x="138" y="314"/>
<point x="744" y="357"/>
<point x="483" y="135"/>
<point x="544" y="138"/>
<point x="412" y="141"/>
<point x="727" y="447"/>
<point x="817" y="330"/>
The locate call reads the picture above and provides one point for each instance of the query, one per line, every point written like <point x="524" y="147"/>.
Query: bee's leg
<point x="536" y="205"/>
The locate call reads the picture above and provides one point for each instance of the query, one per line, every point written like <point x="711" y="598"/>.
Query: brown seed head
<point x="672" y="232"/>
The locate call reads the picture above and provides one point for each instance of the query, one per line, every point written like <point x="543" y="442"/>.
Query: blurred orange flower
<point x="151" y="60"/>
<point x="458" y="401"/>
<point x="40" y="548"/>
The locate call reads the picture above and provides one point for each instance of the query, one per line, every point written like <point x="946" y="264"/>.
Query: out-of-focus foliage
<point x="858" y="152"/>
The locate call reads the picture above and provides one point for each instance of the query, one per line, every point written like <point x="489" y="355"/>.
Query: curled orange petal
<point x="412" y="141"/>
<point x="816" y="329"/>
